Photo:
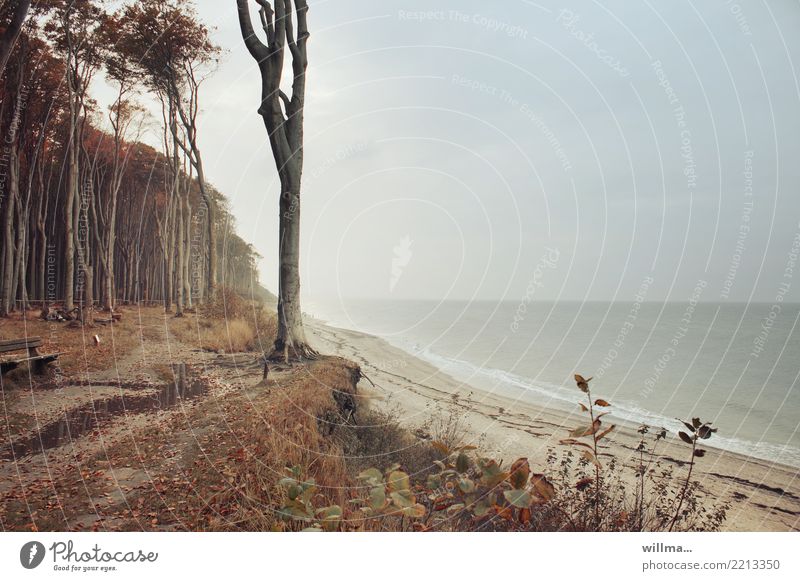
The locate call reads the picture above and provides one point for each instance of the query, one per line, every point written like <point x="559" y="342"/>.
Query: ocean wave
<point x="565" y="399"/>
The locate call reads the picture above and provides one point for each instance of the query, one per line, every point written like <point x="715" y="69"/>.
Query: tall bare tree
<point x="15" y="11"/>
<point x="283" y="120"/>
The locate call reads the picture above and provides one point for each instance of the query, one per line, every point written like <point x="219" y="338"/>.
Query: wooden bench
<point x="36" y="360"/>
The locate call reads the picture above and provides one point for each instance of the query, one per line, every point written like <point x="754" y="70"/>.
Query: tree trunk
<point x="11" y="33"/>
<point x="283" y="119"/>
<point x="69" y="234"/>
<point x="8" y="253"/>
<point x="291" y="340"/>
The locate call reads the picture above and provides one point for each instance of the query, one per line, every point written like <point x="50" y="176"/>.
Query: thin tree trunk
<point x="11" y="33"/>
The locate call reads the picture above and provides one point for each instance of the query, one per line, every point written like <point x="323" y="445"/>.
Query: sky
<point x="549" y="150"/>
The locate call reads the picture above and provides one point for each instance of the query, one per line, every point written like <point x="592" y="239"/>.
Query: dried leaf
<point x="699" y="452"/>
<point x="591" y="458"/>
<point x="543" y="487"/>
<point x="705" y="432"/>
<point x="571" y="442"/>
<point x="602" y="403"/>
<point x="605" y="432"/>
<point x="585" y="431"/>
<point x="443" y="448"/>
<point x="685" y="437"/>
<point x="583" y="384"/>
<point x="520" y="471"/>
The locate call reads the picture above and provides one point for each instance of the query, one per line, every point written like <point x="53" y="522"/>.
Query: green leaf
<point x="334" y="511"/>
<point x="685" y="437"/>
<point x="462" y="463"/>
<point x="466" y="485"/>
<point x="415" y="511"/>
<point x="398" y="481"/>
<point x="518" y="498"/>
<point x="491" y="473"/>
<point x="377" y="498"/>
<point x="371" y="475"/>
<point x="294" y="491"/>
<point x="403" y="498"/>
<point x="520" y="471"/>
<point x="482" y="507"/>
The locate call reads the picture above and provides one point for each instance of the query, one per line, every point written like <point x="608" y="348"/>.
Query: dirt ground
<point x="107" y="442"/>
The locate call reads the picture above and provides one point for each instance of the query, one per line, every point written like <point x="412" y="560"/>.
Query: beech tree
<point x="82" y="201"/>
<point x="283" y="120"/>
<point x="170" y="47"/>
<point x="12" y="16"/>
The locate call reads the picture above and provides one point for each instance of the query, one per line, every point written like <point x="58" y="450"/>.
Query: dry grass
<point x="234" y="336"/>
<point x="229" y="324"/>
<point x="292" y="425"/>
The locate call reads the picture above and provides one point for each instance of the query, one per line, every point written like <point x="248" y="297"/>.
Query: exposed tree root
<point x="293" y="353"/>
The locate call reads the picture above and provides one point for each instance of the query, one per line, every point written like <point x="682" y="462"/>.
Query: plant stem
<point x="685" y="486"/>
<point x="596" y="464"/>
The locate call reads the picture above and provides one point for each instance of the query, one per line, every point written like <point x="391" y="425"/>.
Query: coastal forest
<point x="94" y="215"/>
<point x="150" y="382"/>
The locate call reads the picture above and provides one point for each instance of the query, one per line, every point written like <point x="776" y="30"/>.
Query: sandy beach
<point x="763" y="496"/>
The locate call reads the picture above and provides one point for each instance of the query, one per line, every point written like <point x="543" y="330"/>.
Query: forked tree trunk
<point x="283" y="120"/>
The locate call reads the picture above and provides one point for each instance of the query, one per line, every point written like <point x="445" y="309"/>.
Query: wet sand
<point x="763" y="496"/>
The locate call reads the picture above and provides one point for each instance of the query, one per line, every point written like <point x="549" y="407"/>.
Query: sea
<point x="736" y="365"/>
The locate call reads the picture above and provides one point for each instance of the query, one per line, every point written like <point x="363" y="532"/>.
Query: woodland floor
<point x="126" y="454"/>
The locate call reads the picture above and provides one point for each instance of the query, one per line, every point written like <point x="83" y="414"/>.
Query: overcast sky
<point x="569" y="150"/>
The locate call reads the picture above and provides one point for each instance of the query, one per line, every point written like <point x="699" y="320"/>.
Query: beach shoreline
<point x="763" y="495"/>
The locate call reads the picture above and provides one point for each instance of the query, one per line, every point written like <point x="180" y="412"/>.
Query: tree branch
<point x="267" y="21"/>
<point x="258" y="50"/>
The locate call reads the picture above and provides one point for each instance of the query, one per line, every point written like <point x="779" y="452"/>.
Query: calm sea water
<point x="734" y="364"/>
